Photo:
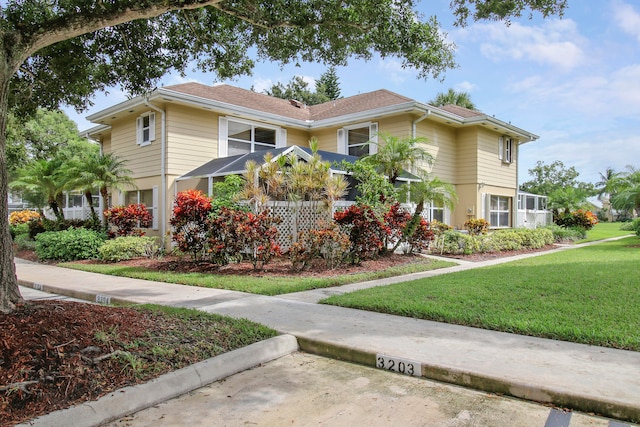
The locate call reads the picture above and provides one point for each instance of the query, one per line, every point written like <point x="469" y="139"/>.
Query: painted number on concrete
<point x="396" y="364"/>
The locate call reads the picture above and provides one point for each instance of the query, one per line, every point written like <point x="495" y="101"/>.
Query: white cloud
<point x="556" y="43"/>
<point x="627" y="18"/>
<point x="465" y="86"/>
<point x="260" y="85"/>
<point x="394" y="71"/>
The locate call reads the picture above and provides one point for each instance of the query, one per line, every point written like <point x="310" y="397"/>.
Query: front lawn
<point x="265" y="283"/>
<point x="605" y="230"/>
<point x="589" y="295"/>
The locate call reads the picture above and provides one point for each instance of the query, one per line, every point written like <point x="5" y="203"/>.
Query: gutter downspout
<point x="418" y="120"/>
<point x="163" y="167"/>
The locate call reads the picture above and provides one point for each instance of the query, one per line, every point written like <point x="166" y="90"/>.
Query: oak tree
<point x="56" y="52"/>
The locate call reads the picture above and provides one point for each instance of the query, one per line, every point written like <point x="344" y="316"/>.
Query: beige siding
<point x="441" y="144"/>
<point x="399" y="126"/>
<point x="467" y="154"/>
<point x="143" y="161"/>
<point x="327" y="139"/>
<point x="491" y="170"/>
<point x="192" y="138"/>
<point x="298" y="137"/>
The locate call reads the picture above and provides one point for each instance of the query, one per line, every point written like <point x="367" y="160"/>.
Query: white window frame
<point x="153" y="209"/>
<point x="223" y="134"/>
<point x="488" y="211"/>
<point x="505" y="149"/>
<point x="141" y="140"/>
<point x="343" y="137"/>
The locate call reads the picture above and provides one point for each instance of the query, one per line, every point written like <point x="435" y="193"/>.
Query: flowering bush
<point x="128" y="220"/>
<point x="190" y="222"/>
<point x="366" y="232"/>
<point x="580" y="218"/>
<point x="476" y="227"/>
<point x="22" y="217"/>
<point x="396" y="220"/>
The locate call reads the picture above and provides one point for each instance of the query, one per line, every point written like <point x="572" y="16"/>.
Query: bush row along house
<point x="190" y="135"/>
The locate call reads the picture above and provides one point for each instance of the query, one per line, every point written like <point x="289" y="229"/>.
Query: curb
<point x="563" y="398"/>
<point x="132" y="399"/>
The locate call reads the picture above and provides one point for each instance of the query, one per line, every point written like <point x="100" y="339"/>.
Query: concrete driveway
<point x="307" y="390"/>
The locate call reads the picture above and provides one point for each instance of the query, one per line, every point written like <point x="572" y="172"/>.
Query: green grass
<point x="266" y="285"/>
<point x="605" y="230"/>
<point x="588" y="295"/>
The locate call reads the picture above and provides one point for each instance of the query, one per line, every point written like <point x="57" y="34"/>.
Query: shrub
<point x="128" y="247"/>
<point x="326" y="243"/>
<point x="580" y="218"/>
<point x="421" y="239"/>
<point x="476" y="226"/>
<point x="365" y="230"/>
<point x="69" y="245"/>
<point x="235" y="234"/>
<point x="22" y="217"/>
<point x="454" y="242"/>
<point x="562" y="234"/>
<point x="23" y="242"/>
<point x="18" y="229"/>
<point x="190" y="222"/>
<point x="128" y="219"/>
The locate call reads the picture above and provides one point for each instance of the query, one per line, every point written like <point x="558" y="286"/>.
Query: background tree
<point x="329" y="84"/>
<point x="297" y="89"/>
<point x="63" y="51"/>
<point x="560" y="184"/>
<point x="43" y="180"/>
<point x="451" y="97"/>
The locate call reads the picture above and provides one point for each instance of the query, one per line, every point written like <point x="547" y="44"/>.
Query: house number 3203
<point x="402" y="366"/>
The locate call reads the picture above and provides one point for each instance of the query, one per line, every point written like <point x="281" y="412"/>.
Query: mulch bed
<point x="50" y="358"/>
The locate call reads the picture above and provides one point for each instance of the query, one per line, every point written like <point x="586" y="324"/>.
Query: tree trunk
<point x="9" y="291"/>
<point x="89" y="197"/>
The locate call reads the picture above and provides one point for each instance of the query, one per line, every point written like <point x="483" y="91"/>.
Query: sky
<point x="574" y="81"/>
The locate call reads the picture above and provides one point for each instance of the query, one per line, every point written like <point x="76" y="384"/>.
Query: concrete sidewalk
<point x="587" y="378"/>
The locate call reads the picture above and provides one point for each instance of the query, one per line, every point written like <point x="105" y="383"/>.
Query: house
<point x="173" y="132"/>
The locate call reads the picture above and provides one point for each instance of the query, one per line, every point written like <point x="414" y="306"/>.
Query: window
<point x="505" y="149"/>
<point x="146" y="129"/>
<point x="499" y="211"/>
<point x="149" y="198"/>
<point x="358" y="140"/>
<point x="241" y="137"/>
<point x="435" y="212"/>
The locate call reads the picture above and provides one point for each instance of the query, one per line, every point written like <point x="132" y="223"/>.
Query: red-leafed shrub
<point x="237" y="234"/>
<point x="366" y="232"/>
<point x="128" y="220"/>
<point x="190" y="222"/>
<point x="580" y="218"/>
<point x="326" y="243"/>
<point x="422" y="237"/>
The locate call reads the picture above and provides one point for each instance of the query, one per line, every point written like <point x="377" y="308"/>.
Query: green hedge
<point x="69" y="245"/>
<point x="454" y="242"/>
<point x="128" y="247"/>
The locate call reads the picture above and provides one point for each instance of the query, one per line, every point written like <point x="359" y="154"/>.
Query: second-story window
<point x="358" y="140"/>
<point x="237" y="137"/>
<point x="146" y="129"/>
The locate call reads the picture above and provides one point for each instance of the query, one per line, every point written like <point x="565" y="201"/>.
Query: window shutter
<point x="154" y="210"/>
<point x="342" y="141"/>
<point x="223" y="144"/>
<point x="486" y="206"/>
<point x="373" y="138"/>
<point x="281" y="138"/>
<point x="501" y="148"/>
<point x="139" y="124"/>
<point x="152" y="127"/>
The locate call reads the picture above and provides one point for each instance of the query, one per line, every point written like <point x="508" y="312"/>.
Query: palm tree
<point x="606" y="187"/>
<point x="627" y="196"/>
<point x="452" y="97"/>
<point x="398" y="154"/>
<point x="428" y="190"/>
<point x="101" y="171"/>
<point x="44" y="177"/>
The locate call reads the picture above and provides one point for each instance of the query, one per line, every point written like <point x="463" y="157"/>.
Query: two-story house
<point x="175" y="130"/>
